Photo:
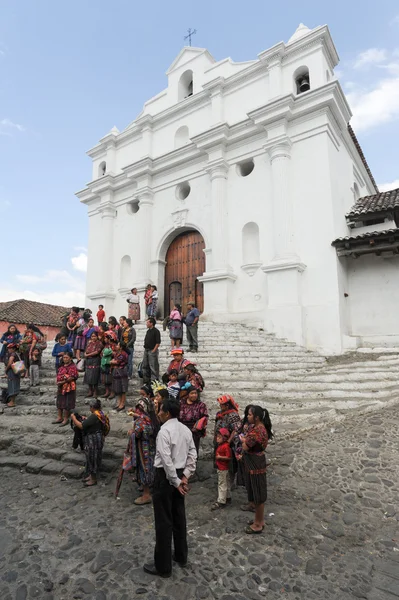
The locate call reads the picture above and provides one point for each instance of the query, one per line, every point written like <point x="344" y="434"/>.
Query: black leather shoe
<point x="181" y="564"/>
<point x="152" y="570"/>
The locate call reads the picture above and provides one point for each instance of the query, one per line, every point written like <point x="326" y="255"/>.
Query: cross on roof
<point x="190" y="33"/>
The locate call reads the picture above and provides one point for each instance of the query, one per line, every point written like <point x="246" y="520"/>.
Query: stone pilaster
<point x="146" y="201"/>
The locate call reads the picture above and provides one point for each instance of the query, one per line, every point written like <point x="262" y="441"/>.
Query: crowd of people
<point x="104" y="352"/>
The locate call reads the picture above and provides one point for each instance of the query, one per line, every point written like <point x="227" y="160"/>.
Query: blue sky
<point x="70" y="71"/>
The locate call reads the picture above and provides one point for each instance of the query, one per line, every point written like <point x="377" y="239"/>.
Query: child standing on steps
<point x="223" y="458"/>
<point x="35" y="363"/>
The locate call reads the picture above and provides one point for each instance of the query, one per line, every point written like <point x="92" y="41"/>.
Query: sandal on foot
<point x="56" y="422"/>
<point x="141" y="502"/>
<point x="251" y="522"/>
<point x="247" y="508"/>
<point x="217" y="505"/>
<point x="251" y="531"/>
<point x="87" y="484"/>
<point x="64" y="423"/>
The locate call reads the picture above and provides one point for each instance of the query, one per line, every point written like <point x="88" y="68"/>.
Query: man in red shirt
<point x="223" y="458"/>
<point x="100" y="314"/>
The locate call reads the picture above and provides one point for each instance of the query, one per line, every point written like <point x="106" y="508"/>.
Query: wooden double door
<point x="185" y="262"/>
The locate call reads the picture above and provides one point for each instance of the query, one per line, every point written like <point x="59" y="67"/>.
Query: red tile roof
<point x="369" y="235"/>
<point x="361" y="154"/>
<point x="381" y="202"/>
<point x="27" y="311"/>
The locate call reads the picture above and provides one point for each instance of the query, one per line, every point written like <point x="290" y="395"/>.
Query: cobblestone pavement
<point x="332" y="529"/>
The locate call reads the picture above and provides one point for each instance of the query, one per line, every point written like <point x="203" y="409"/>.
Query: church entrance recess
<point x="185" y="261"/>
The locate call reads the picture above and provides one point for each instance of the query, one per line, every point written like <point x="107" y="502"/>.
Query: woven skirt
<point x="176" y="330"/>
<point x="93" y="448"/>
<point x="92" y="372"/>
<point x="80" y="342"/>
<point x="255" y="477"/>
<point x="13" y="383"/>
<point x="106" y="377"/>
<point x="120" y="381"/>
<point x="66" y="401"/>
<point x="134" y="311"/>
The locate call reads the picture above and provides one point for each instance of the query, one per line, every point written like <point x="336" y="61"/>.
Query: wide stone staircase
<point x="300" y="388"/>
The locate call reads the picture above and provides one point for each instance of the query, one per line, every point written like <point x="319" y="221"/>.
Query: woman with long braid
<point x="254" y="443"/>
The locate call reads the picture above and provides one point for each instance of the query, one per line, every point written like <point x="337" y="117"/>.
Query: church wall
<point x="163" y="140"/>
<point x="312" y="195"/>
<point x="374" y="299"/>
<point x="250" y="200"/>
<point x="249" y="97"/>
<point x="95" y="241"/>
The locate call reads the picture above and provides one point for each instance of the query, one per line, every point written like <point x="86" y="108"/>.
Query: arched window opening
<point x="246" y="167"/>
<point x="182" y="136"/>
<point x="102" y="169"/>
<point x="250" y="244"/>
<point x="302" y="80"/>
<point x="126" y="268"/>
<point x="186" y="85"/>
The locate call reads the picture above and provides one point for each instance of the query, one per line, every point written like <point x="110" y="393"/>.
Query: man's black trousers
<point x="170" y="521"/>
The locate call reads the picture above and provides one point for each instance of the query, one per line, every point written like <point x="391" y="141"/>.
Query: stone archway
<point x="185" y="262"/>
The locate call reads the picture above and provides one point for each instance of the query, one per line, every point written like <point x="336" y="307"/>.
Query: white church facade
<point x="229" y="189"/>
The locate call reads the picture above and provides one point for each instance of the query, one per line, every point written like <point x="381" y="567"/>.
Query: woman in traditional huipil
<point x="143" y="435"/>
<point x="133" y="301"/>
<point x="93" y="364"/>
<point x="95" y="428"/>
<point x="176" y="326"/>
<point x="13" y="379"/>
<point x="11" y="336"/>
<point x="119" y="372"/>
<point x="254" y="443"/>
<point x="67" y="375"/>
<point x="194" y="414"/>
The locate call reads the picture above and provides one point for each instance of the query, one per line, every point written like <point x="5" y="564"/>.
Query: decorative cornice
<point x="273" y="55"/>
<point x="110" y="295"/>
<point x="145" y="196"/>
<point x="215" y="86"/>
<point x="276" y="110"/>
<point x="284" y="265"/>
<point x="217" y="276"/>
<point x="140" y="168"/>
<point x="215" y="136"/>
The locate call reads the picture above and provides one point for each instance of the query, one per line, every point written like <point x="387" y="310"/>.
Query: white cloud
<point x="54" y="286"/>
<point x="375" y="106"/>
<point x="7" y="127"/>
<point x="80" y="262"/>
<point x="61" y="298"/>
<point x="370" y="57"/>
<point x="385" y="187"/>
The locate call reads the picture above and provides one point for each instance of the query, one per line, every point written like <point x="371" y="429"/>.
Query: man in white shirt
<point x="175" y="462"/>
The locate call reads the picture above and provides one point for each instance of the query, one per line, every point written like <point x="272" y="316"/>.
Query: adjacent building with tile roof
<point x="21" y="312"/>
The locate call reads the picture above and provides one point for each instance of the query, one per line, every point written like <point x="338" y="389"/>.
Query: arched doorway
<point x="185" y="261"/>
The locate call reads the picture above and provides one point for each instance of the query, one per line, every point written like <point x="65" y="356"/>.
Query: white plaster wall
<point x="373" y="296"/>
<point x="240" y="102"/>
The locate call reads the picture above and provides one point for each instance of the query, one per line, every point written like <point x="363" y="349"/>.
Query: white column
<point x="220" y="229"/>
<point x="108" y="214"/>
<point x="146" y="201"/>
<point x="283" y="220"/>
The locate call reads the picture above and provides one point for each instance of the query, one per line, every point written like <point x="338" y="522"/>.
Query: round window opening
<point x="133" y="207"/>
<point x="183" y="190"/>
<point x="245" y="168"/>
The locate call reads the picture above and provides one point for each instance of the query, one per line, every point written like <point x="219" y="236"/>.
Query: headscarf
<point x="225" y="433"/>
<point x="177" y="351"/>
<point x="227" y="399"/>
